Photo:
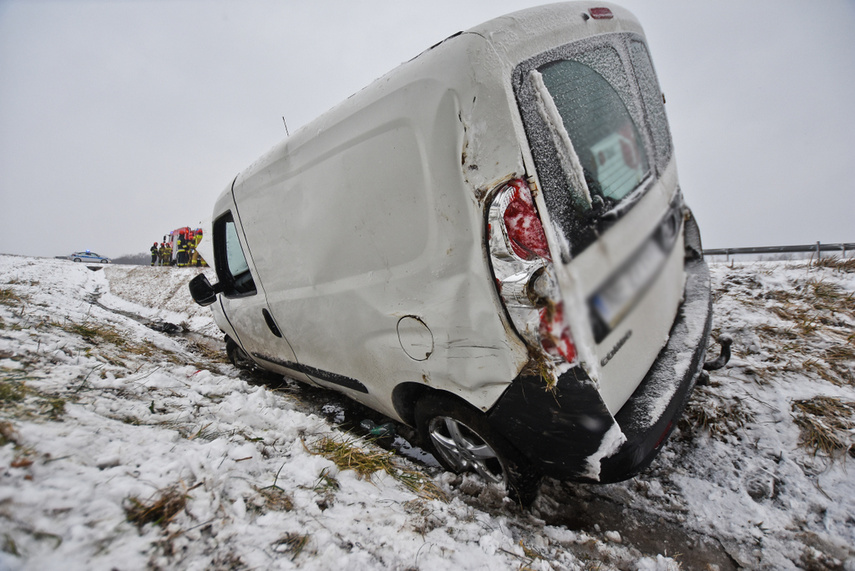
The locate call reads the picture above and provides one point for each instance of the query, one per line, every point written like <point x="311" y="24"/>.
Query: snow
<point x="101" y="410"/>
<point x="613" y="439"/>
<point x="572" y="166"/>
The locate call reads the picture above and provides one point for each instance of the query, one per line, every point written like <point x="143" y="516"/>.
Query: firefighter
<point x="161" y="254"/>
<point x="182" y="250"/>
<point x="154" y="254"/>
<point x="197" y="259"/>
<point x="167" y="247"/>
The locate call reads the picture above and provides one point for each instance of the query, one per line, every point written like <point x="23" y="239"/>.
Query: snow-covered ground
<point x="126" y="447"/>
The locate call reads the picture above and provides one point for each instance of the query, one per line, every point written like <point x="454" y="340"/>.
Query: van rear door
<point x="601" y="147"/>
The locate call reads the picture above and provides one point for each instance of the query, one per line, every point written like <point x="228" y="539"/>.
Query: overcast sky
<point x="120" y="121"/>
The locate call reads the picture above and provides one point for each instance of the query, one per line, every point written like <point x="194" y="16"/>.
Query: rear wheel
<point x="464" y="441"/>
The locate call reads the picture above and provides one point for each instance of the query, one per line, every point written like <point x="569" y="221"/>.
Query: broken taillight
<point x="522" y="225"/>
<point x="522" y="266"/>
<point x="555" y="334"/>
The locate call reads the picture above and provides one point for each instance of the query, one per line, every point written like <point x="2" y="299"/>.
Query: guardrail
<point x="817" y="248"/>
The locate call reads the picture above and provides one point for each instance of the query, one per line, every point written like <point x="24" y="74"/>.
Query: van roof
<point x="520" y="34"/>
<point x="542" y="27"/>
<point x="476" y="64"/>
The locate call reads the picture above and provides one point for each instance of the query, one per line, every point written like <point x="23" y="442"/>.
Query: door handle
<point x="270" y="323"/>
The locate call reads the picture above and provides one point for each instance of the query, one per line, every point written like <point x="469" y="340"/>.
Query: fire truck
<point x="193" y="237"/>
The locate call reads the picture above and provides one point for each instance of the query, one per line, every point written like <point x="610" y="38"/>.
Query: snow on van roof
<point x="570" y="20"/>
<point x="474" y="62"/>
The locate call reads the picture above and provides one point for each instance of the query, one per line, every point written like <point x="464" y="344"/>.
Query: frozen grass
<point x="157" y="455"/>
<point x="347" y="453"/>
<point x="813" y="310"/>
<point x="19" y="400"/>
<point x="807" y="330"/>
<point x="826" y="425"/>
<point x="159" y="510"/>
<point x="291" y="544"/>
<point x="836" y="263"/>
<point x="721" y="418"/>
<point x="275" y="499"/>
<point x="9" y="297"/>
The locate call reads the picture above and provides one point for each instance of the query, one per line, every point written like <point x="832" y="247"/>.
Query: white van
<point x="490" y="244"/>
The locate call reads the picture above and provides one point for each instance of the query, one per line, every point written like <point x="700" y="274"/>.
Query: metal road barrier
<point x="817" y="248"/>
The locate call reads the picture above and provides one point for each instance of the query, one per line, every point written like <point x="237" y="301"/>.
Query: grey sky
<point x="120" y="121"/>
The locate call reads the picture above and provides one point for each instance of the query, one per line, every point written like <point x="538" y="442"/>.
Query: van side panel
<point x="396" y="234"/>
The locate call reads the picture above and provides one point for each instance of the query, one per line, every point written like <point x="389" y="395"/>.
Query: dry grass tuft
<point x="839" y="354"/>
<point x="835" y="263"/>
<point x="9" y="297"/>
<point x="11" y="391"/>
<point x="159" y="510"/>
<point x="209" y="353"/>
<point x="291" y="543"/>
<point x="276" y="499"/>
<point x="777" y="333"/>
<point x="7" y="433"/>
<point x="830" y="297"/>
<point x="826" y="425"/>
<point x="720" y="418"/>
<point x="22" y="401"/>
<point x="347" y="455"/>
<point x="834" y="366"/>
<point x="95" y="333"/>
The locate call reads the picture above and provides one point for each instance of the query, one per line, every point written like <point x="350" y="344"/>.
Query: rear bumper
<point x="570" y="434"/>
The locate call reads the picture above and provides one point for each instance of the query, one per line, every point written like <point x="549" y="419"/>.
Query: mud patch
<point x="581" y="508"/>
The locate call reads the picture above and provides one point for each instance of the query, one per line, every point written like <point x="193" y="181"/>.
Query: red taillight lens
<point x="522" y="224"/>
<point x="554" y="333"/>
<point x="523" y="269"/>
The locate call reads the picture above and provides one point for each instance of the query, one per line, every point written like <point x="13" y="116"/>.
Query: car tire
<point x="238" y="356"/>
<point x="463" y="440"/>
<point x="76" y="259"/>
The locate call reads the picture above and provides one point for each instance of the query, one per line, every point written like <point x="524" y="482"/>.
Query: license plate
<point x="617" y="297"/>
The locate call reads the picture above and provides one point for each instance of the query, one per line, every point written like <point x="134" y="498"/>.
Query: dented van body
<point x="490" y="244"/>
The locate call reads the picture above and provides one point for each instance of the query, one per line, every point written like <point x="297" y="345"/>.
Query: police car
<point x="88" y="256"/>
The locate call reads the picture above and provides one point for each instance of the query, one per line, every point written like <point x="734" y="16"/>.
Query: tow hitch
<point x="723" y="357"/>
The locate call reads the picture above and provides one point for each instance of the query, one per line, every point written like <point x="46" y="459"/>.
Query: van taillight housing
<point x="522" y="266"/>
<point x="521" y="224"/>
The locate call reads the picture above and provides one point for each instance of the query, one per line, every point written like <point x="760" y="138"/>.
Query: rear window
<point x="603" y="134"/>
<point x="596" y="127"/>
<point x="654" y="102"/>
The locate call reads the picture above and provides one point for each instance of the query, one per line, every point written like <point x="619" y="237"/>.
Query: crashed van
<point x="489" y="244"/>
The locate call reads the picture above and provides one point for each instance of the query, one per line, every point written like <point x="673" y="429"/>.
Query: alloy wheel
<point x="464" y="449"/>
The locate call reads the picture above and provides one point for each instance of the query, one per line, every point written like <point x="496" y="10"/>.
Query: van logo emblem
<point x="616" y="348"/>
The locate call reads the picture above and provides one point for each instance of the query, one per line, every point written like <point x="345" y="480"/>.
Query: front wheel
<point x="464" y="441"/>
<point x="238" y="356"/>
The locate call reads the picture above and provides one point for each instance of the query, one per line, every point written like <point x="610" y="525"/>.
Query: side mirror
<point x="202" y="291"/>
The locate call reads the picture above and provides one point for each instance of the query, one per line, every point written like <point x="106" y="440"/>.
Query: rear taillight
<point x="522" y="266"/>
<point x="522" y="225"/>
<point x="555" y="334"/>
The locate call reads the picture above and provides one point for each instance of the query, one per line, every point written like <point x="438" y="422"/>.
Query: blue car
<point x="88" y="256"/>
